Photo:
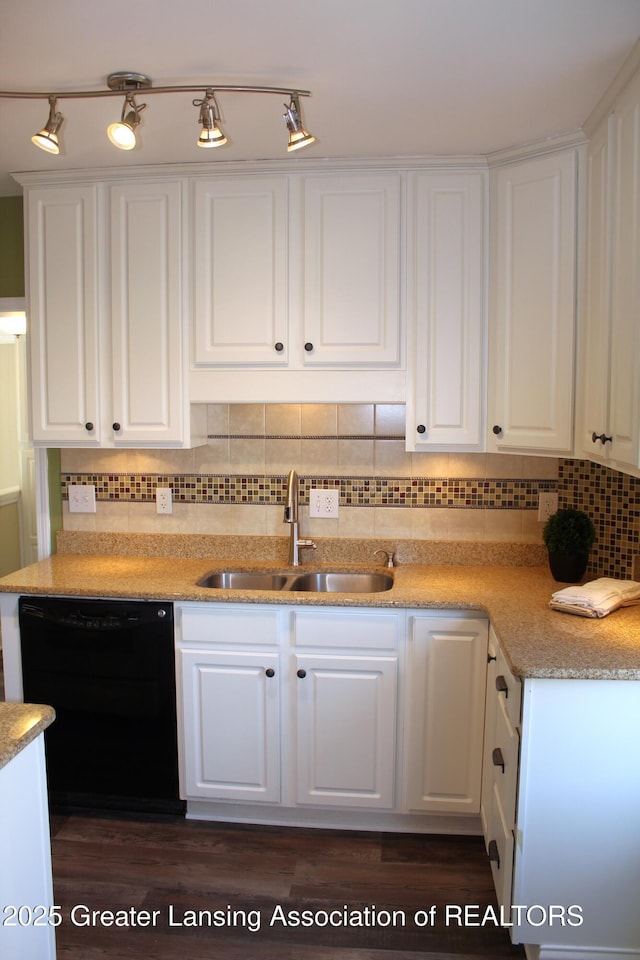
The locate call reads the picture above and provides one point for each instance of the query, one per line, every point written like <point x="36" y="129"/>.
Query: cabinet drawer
<point x="500" y="849"/>
<point x="508" y="689"/>
<point x="374" y="629"/>
<point x="506" y="745"/>
<point x="204" y="623"/>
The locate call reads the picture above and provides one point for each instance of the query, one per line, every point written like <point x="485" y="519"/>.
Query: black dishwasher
<point x="107" y="667"/>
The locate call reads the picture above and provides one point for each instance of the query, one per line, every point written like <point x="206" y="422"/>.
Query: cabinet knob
<point x="502" y="686"/>
<point x="491" y="658"/>
<point x="308" y="347"/>
<point x="497" y="758"/>
<point x="497" y="429"/>
<point x="492" y="851"/>
<point x="602" y="437"/>
<point x="421" y="428"/>
<point x="270" y="672"/>
<point x="116" y="426"/>
<point x="302" y="674"/>
<point x="88" y="425"/>
<point x="279" y="347"/>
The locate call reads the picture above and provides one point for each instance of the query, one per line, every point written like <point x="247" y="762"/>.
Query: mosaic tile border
<point x="446" y="492"/>
<point x="612" y="500"/>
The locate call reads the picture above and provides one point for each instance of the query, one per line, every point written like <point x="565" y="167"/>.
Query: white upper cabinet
<point x="445" y="284"/>
<point x="532" y="304"/>
<point x="62" y="281"/>
<point x="146" y="313"/>
<point x="610" y="394"/>
<point x="240" y="266"/>
<point x="352" y="269"/>
<point x="106" y="309"/>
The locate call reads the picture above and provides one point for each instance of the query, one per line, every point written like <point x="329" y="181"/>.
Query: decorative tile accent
<point x="457" y="493"/>
<point x="612" y="500"/>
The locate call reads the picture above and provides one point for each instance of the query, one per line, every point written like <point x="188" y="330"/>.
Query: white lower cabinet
<point x="290" y="709"/>
<point x="446" y="659"/>
<point x="560" y="800"/>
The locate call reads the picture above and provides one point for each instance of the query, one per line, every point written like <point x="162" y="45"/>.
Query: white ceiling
<point x="388" y="77"/>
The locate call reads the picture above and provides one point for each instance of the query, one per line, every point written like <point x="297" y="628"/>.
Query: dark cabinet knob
<point x="502" y="686"/>
<point x="421" y="428"/>
<point x="492" y="850"/>
<point x="308" y="347"/>
<point x="270" y="672"/>
<point x="497" y="429"/>
<point x="116" y="425"/>
<point x="491" y="658"/>
<point x="279" y="347"/>
<point x="602" y="437"/>
<point x="302" y="674"/>
<point x="88" y="425"/>
<point x="497" y="758"/>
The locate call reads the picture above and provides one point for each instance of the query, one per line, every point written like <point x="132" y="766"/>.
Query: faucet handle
<point x="389" y="557"/>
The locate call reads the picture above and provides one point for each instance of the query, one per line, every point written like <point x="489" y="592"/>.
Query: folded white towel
<point x="597" y="598"/>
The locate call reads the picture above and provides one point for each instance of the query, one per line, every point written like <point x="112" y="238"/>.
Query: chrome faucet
<point x="291" y="517"/>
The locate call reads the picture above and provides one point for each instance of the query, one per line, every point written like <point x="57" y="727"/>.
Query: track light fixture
<point x="122" y="133"/>
<point x="211" y="134"/>
<point x="47" y="138"/>
<point x="298" y="136"/>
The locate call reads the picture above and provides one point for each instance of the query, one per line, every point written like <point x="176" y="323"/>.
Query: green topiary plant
<point x="569" y="535"/>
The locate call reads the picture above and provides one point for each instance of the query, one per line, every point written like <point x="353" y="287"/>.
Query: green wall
<point x="11" y="247"/>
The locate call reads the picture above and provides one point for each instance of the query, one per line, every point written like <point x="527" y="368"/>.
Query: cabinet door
<point x="231" y="732"/>
<point x="445" y="300"/>
<point x="146" y="310"/>
<point x="351" y="270"/>
<point x="532" y="305"/>
<point x="63" y="315"/>
<point x="624" y="419"/>
<point x="346" y="730"/>
<point x="240" y="271"/>
<point x="446" y="676"/>
<point x="596" y="353"/>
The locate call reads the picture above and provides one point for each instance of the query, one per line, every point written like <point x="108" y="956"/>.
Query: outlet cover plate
<point x="323" y="503"/>
<point x="164" y="500"/>
<point x="547" y="504"/>
<point x="82" y="498"/>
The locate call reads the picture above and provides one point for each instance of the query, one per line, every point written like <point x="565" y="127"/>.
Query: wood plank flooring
<point x="254" y="877"/>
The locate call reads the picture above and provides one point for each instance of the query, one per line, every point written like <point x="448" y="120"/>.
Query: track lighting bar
<point x="122" y="133"/>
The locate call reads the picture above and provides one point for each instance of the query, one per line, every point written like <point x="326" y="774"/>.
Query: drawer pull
<point x="494" y="856"/>
<point x="502" y="686"/>
<point x="498" y="759"/>
<point x="270" y="672"/>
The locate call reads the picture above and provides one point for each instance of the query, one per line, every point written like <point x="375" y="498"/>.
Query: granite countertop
<point x="537" y="641"/>
<point x="20" y="723"/>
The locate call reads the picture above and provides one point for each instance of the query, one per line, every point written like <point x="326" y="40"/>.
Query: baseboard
<point x="553" y="952"/>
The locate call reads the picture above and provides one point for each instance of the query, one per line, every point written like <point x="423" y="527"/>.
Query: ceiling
<point x="388" y="77"/>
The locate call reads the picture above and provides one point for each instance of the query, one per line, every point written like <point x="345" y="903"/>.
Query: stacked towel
<point x="598" y="598"/>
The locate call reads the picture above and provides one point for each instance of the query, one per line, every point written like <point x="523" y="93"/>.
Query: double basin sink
<point x="325" y="582"/>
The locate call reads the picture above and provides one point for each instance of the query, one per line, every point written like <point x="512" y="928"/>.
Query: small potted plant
<point x="569" y="535"/>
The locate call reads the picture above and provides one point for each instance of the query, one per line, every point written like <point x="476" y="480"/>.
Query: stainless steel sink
<point x="325" y="582"/>
<point x="243" y="580"/>
<point x="342" y="582"/>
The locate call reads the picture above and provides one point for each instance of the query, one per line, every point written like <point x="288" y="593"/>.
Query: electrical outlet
<point x="547" y="504"/>
<point x="164" y="502"/>
<point x="82" y="498"/>
<point x="323" y="503"/>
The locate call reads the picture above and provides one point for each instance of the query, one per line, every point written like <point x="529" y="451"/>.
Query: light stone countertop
<point x="537" y="641"/>
<point x="20" y="723"/>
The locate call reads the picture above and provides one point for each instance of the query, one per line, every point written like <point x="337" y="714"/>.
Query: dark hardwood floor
<point x="249" y="879"/>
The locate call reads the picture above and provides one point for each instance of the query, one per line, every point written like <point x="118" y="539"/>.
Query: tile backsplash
<point x="236" y="483"/>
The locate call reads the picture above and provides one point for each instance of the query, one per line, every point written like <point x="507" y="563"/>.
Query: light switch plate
<point x="82" y="498"/>
<point x="323" y="503"/>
